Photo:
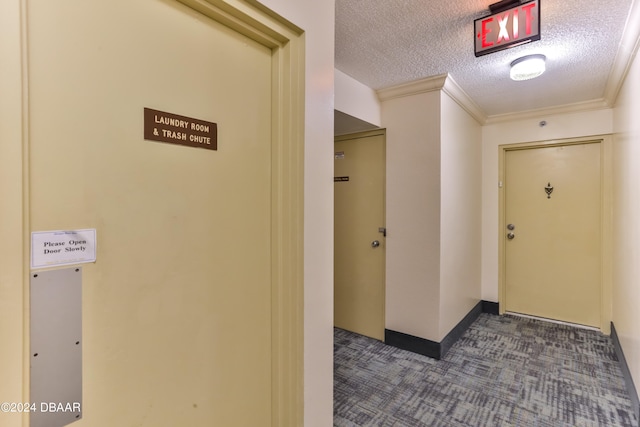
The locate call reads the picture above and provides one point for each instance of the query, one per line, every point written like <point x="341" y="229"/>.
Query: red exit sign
<point x="507" y="28"/>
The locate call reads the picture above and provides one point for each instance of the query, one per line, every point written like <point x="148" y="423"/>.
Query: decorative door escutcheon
<point x="548" y="189"/>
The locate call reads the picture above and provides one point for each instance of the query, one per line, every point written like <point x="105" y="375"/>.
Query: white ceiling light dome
<point x="528" y="67"/>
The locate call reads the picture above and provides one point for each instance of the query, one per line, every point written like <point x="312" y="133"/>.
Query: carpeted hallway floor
<point x="504" y="371"/>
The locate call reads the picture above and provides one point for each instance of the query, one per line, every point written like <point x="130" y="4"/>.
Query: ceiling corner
<point x="458" y="94"/>
<point x="629" y="45"/>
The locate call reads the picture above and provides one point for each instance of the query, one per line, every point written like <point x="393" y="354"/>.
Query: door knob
<point x="375" y="244"/>
<point x="510" y="236"/>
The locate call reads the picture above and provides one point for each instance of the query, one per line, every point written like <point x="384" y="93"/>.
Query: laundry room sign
<point x="168" y="127"/>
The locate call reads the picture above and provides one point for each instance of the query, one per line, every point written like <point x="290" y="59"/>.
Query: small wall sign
<point x="175" y="129"/>
<point x="51" y="248"/>
<point x="340" y="178"/>
<point x="507" y="27"/>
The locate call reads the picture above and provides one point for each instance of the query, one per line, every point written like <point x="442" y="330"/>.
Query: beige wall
<point x="356" y="99"/>
<point x="626" y="220"/>
<point x="460" y="214"/>
<point x="433" y="213"/>
<point x="413" y="214"/>
<point x="558" y="126"/>
<point x="317" y="19"/>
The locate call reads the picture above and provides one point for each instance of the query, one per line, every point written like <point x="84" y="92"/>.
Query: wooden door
<point x="359" y="255"/>
<point x="178" y="309"/>
<point x="552" y="232"/>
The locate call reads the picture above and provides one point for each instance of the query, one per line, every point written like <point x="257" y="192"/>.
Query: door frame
<point x="606" y="177"/>
<point x="286" y="42"/>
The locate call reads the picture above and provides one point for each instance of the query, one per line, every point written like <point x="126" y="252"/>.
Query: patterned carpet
<point x="504" y="371"/>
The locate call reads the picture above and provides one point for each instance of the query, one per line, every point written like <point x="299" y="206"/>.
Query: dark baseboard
<point x="490" y="307"/>
<point x="434" y="349"/>
<point x="628" y="380"/>
<point x="459" y="329"/>
<point x="412" y="343"/>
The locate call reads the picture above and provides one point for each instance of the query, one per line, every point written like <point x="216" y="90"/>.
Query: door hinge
<point x="383" y="231"/>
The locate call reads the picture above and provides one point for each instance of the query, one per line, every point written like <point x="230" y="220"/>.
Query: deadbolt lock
<point x="511" y="227"/>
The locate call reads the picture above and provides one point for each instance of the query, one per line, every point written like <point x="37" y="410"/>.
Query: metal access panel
<point x="56" y="347"/>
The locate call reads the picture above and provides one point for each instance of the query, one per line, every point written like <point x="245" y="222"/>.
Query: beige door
<point x="552" y="232"/>
<point x="178" y="309"/>
<point x="359" y="254"/>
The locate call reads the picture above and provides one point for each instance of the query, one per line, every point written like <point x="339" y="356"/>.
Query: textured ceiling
<point x="383" y="43"/>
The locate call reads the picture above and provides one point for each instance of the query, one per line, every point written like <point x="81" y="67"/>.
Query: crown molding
<point x="442" y="82"/>
<point x="448" y="85"/>
<point x="627" y="50"/>
<point x="430" y="84"/>
<point x="452" y="89"/>
<point x="596" y="104"/>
